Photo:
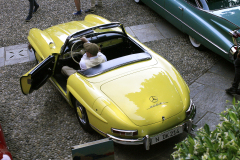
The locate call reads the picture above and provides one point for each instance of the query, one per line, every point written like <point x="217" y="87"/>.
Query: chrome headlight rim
<point x="191" y="111"/>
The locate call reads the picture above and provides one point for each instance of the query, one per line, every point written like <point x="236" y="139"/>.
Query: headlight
<point x="125" y="132"/>
<point x="190" y="113"/>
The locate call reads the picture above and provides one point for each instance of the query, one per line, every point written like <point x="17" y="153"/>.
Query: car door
<point x="38" y="76"/>
<point x="174" y="12"/>
<point x="156" y="5"/>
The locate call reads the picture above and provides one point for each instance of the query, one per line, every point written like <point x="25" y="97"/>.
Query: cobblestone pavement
<point x="42" y="125"/>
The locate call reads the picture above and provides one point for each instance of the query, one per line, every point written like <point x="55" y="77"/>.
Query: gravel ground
<point x="42" y="125"/>
<point x="14" y="29"/>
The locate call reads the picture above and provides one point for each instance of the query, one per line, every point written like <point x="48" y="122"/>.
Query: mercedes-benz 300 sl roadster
<point x="135" y="97"/>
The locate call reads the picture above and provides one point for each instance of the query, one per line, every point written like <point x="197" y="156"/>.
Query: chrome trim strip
<point x="191" y="28"/>
<point x="98" y="129"/>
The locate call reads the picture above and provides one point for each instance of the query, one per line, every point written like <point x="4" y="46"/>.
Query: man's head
<point x="91" y="48"/>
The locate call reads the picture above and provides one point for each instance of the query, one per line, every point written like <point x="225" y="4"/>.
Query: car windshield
<point x="219" y="4"/>
<point x="113" y="42"/>
<point x="99" y="29"/>
<point x="91" y="31"/>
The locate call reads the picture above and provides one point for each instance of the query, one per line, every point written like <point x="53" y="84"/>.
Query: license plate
<point x="165" y="135"/>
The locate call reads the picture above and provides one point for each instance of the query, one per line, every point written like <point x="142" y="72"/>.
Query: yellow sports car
<point x="135" y="97"/>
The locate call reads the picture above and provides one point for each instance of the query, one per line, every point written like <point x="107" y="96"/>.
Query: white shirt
<point x="87" y="62"/>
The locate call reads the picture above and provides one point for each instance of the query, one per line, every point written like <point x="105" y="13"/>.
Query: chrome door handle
<point x="180" y="8"/>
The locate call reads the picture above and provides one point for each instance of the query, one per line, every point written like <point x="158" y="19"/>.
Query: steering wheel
<point x="72" y="52"/>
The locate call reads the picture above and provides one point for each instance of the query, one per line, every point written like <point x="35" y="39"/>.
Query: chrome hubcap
<point x="80" y="112"/>
<point x="194" y="42"/>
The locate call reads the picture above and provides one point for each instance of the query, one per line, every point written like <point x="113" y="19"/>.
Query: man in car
<point x="91" y="58"/>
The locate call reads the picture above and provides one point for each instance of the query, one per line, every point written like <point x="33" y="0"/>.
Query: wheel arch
<point x="75" y="95"/>
<point x="41" y="41"/>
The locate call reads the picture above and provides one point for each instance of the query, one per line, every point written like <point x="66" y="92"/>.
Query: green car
<point x="213" y="24"/>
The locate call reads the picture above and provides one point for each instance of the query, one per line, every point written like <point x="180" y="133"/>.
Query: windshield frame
<point x="91" y="30"/>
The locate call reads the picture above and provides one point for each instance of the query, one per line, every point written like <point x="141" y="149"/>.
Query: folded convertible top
<point x="115" y="63"/>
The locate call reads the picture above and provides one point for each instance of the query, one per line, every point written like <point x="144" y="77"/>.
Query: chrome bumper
<point x="146" y="140"/>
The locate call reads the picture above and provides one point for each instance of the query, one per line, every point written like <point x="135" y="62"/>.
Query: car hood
<point x="231" y="14"/>
<point x="60" y="32"/>
<point x="146" y="97"/>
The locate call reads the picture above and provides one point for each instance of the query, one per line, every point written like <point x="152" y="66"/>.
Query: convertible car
<point x="213" y="24"/>
<point x="136" y="97"/>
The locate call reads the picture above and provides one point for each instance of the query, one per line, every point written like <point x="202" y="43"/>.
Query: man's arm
<point x="84" y="39"/>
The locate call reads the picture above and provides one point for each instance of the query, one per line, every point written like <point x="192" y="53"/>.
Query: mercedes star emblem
<point x="153" y="99"/>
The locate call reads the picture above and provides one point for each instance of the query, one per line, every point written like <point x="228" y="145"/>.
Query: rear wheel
<point x="196" y="44"/>
<point x="138" y="1"/>
<point x="82" y="116"/>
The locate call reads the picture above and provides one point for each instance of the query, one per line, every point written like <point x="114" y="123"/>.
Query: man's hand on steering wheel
<point x="76" y="54"/>
<point x="84" y="39"/>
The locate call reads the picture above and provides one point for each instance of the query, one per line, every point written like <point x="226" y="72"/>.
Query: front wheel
<point x="82" y="116"/>
<point x="138" y="1"/>
<point x="196" y="44"/>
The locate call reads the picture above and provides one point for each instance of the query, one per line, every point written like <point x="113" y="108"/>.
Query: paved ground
<point x="207" y="91"/>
